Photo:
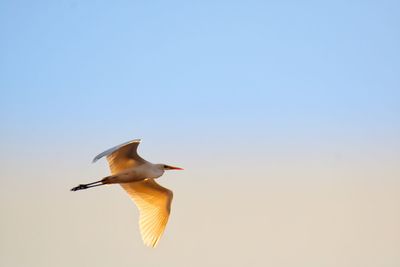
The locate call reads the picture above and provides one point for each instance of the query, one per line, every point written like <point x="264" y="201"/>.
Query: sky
<point x="284" y="114"/>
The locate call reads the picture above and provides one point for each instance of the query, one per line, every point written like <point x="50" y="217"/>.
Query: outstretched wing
<point x="154" y="203"/>
<point x="122" y="157"/>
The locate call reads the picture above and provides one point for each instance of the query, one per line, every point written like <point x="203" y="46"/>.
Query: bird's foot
<point x="79" y="187"/>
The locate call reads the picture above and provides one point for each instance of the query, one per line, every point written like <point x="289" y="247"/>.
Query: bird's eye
<point x="165" y="167"/>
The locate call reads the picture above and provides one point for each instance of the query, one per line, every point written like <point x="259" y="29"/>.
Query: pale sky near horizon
<point x="285" y="116"/>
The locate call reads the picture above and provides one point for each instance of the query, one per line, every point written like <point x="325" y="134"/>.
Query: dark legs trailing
<point x="86" y="186"/>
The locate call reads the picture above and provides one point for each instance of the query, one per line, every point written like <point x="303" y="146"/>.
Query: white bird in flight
<point x="136" y="176"/>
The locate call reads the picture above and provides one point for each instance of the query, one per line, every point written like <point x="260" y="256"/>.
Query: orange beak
<point x="173" y="168"/>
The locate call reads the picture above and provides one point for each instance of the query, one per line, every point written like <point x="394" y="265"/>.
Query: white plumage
<point x="136" y="176"/>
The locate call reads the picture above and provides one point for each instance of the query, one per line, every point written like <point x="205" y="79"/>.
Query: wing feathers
<point x="113" y="149"/>
<point x="122" y="157"/>
<point x="154" y="204"/>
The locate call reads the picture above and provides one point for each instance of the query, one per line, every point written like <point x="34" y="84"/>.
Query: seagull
<point x="137" y="176"/>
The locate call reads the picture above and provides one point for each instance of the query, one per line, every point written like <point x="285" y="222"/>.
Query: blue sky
<point x="251" y="64"/>
<point x="304" y="93"/>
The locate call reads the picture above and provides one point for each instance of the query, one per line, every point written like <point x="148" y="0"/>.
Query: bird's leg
<point x="86" y="186"/>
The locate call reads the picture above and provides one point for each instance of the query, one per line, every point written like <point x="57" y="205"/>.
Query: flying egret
<point x="137" y="176"/>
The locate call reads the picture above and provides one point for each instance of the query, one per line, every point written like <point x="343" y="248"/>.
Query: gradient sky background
<point x="285" y="116"/>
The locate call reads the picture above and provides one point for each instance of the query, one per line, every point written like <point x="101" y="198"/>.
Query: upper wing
<point x="154" y="203"/>
<point x="122" y="156"/>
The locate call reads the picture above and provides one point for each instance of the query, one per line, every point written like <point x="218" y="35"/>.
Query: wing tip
<point x="138" y="140"/>
<point x="152" y="242"/>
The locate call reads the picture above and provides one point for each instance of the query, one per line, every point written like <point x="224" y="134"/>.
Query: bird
<point x="137" y="177"/>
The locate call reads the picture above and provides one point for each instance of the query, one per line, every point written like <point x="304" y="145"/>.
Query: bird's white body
<point x="138" y="173"/>
<point x="136" y="176"/>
